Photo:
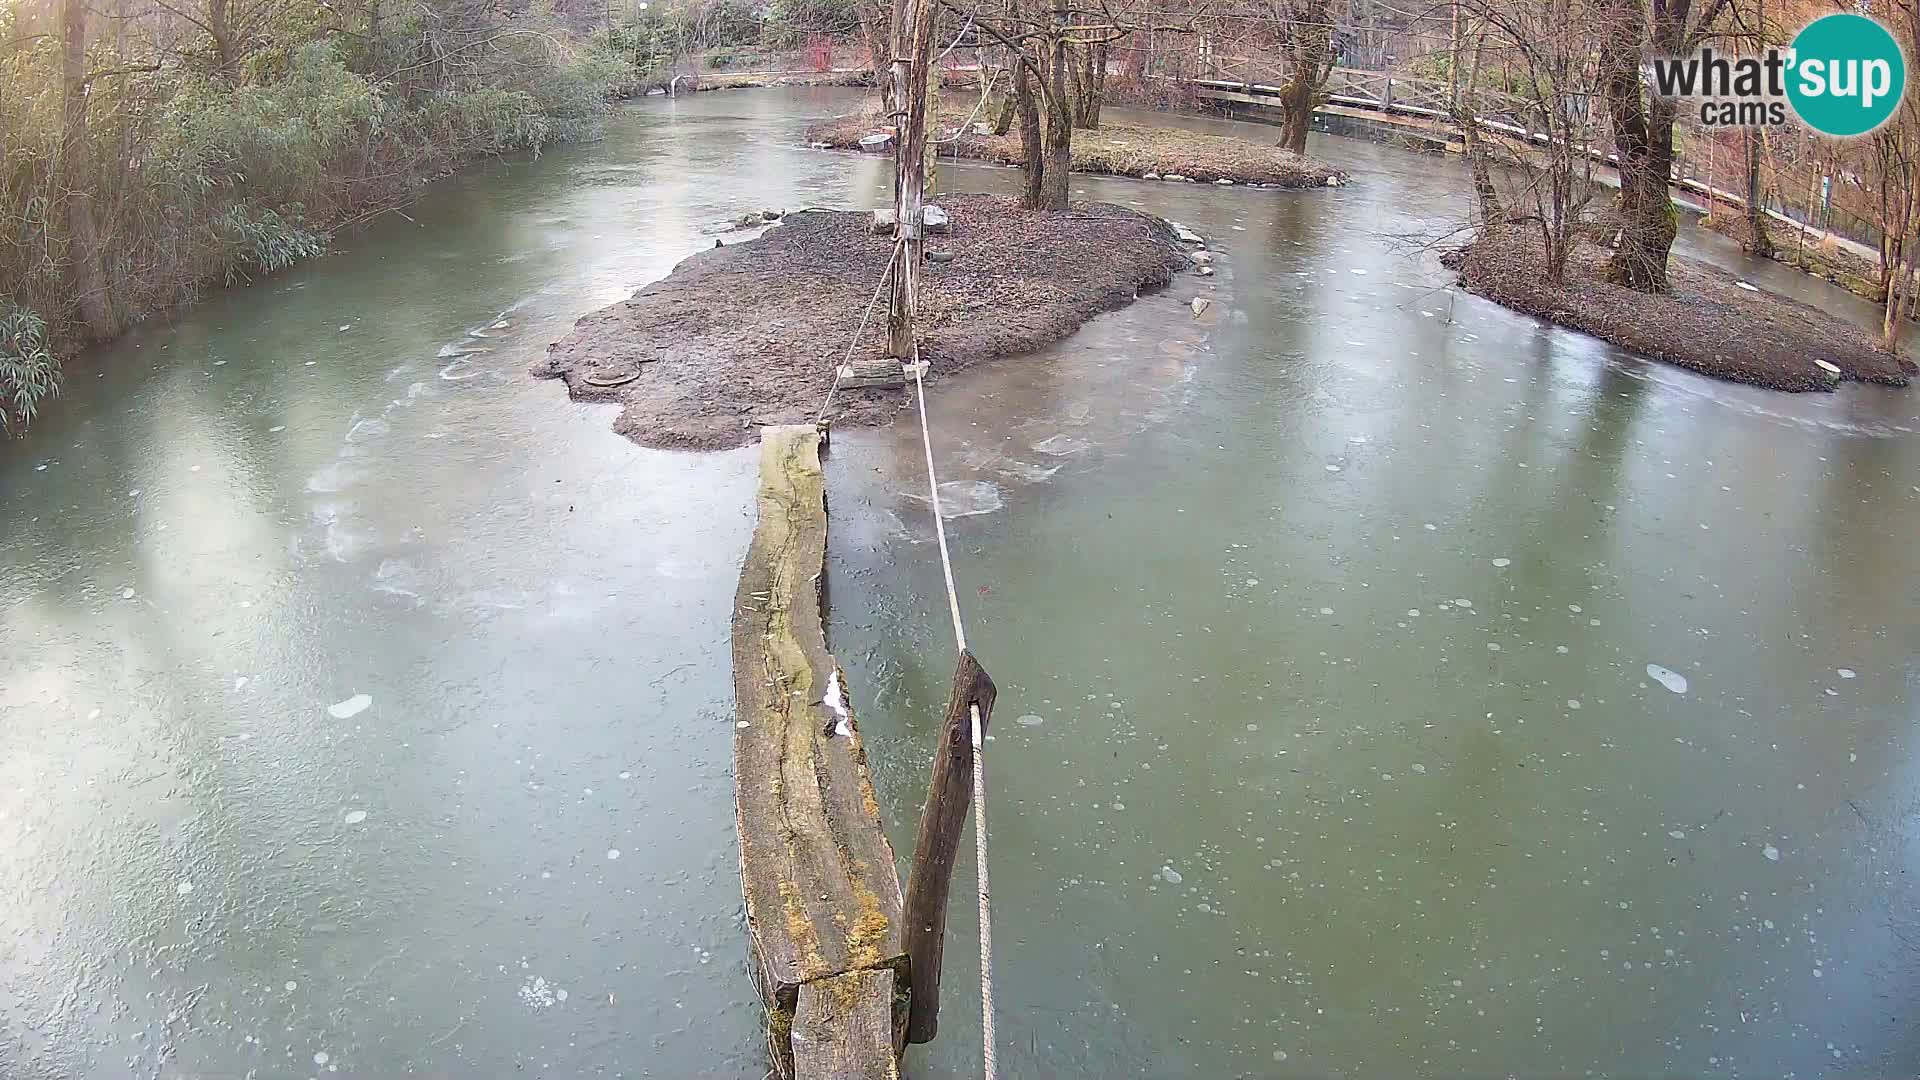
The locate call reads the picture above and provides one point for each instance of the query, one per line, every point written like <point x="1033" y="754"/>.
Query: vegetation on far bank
<point x="149" y="153"/>
<point x="1114" y="148"/>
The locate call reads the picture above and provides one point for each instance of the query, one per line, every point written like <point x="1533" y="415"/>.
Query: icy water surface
<point x="367" y="706"/>
<point x="1392" y="685"/>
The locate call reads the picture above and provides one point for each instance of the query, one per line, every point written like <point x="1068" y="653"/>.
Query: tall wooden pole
<point x="924" y="916"/>
<point x="909" y="76"/>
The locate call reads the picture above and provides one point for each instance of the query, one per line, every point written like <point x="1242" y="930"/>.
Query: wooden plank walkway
<point x="822" y="893"/>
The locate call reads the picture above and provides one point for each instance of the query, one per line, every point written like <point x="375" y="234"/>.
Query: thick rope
<point x="989" y="1067"/>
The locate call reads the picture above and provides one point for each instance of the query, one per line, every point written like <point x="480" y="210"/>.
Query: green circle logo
<point x="1847" y="75"/>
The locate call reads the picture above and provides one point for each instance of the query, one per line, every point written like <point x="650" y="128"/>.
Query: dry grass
<point x="1117" y="149"/>
<point x="1704" y="322"/>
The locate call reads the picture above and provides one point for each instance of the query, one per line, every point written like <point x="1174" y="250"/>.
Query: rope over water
<point x="979" y="749"/>
<point x="989" y="1067"/>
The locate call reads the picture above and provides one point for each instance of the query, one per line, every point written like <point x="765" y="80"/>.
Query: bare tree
<point x="1305" y="31"/>
<point x="1547" y="46"/>
<point x="1041" y="43"/>
<point x="1643" y="127"/>
<point x="1901" y="137"/>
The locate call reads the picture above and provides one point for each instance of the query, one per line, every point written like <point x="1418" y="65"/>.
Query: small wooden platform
<point x="822" y="895"/>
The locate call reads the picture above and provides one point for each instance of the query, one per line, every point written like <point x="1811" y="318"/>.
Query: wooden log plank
<point x="843" y="1028"/>
<point x="941" y="823"/>
<point x="885" y="371"/>
<point x="817" y="873"/>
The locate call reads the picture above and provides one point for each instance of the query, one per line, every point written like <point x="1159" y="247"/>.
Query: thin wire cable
<point x="989" y="1066"/>
<point x="840" y="370"/>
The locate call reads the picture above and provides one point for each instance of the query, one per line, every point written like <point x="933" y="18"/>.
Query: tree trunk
<point x="76" y="177"/>
<point x="1089" y="85"/>
<point x="1033" y="162"/>
<point x="1465" y="103"/>
<point x="1003" y="120"/>
<point x="1759" y="242"/>
<point x="1309" y="53"/>
<point x="220" y="29"/>
<point x="1058" y="168"/>
<point x="910" y="173"/>
<point x="1901" y="280"/>
<point x="376" y="43"/>
<point x="1643" y="141"/>
<point x="1056" y="97"/>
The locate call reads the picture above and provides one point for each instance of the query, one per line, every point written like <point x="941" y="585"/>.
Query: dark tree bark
<point x="1309" y="53"/>
<point x="1759" y="242"/>
<point x="90" y="293"/>
<point x="1057" y="98"/>
<point x="1643" y="130"/>
<point x="1003" y="120"/>
<point x="1464" y="98"/>
<point x="1032" y="159"/>
<point x="220" y="29"/>
<point x="1090" y="85"/>
<point x="1058" y="156"/>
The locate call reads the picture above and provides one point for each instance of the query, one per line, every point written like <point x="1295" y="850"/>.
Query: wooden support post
<point x="925" y="914"/>
<point x="910" y="175"/>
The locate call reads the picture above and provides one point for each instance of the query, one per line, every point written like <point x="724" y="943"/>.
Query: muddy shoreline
<point x="1113" y="149"/>
<point x="750" y="333"/>
<point x="1707" y="322"/>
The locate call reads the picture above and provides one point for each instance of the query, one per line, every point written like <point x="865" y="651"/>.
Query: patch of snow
<point x="835" y="700"/>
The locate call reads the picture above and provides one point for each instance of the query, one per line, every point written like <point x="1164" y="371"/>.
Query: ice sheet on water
<point x="1061" y="445"/>
<point x="964" y="498"/>
<point x="351" y="707"/>
<point x="1668" y="678"/>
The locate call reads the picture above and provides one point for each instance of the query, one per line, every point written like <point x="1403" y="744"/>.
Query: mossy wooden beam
<point x="822" y="894"/>
<point x="843" y="1028"/>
